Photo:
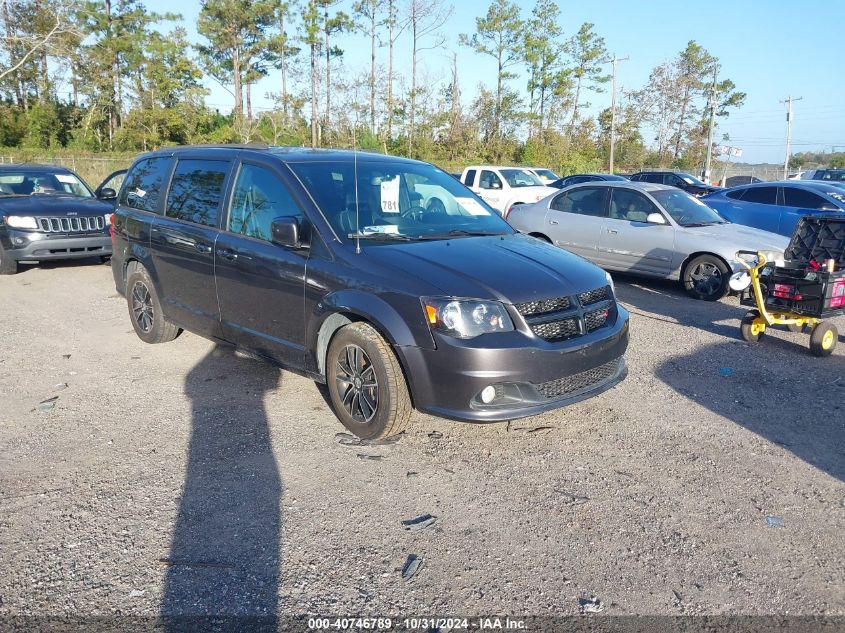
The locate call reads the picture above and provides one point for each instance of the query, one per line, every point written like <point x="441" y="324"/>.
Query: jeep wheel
<point x="145" y="308"/>
<point x="366" y="384"/>
<point x="8" y="264"/>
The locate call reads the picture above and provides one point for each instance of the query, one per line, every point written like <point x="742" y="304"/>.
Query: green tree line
<point x="110" y="75"/>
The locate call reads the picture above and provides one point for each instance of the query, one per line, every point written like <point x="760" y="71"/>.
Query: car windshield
<point x="685" y="209"/>
<point x="396" y="201"/>
<point x="546" y="173"/>
<point x="690" y="180"/>
<point x="28" y="183"/>
<point x="520" y="178"/>
<point x="835" y="175"/>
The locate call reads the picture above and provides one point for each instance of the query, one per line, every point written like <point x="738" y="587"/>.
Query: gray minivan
<point x="342" y="267"/>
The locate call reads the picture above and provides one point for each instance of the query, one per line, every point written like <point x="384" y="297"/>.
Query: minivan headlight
<point x="463" y="318"/>
<point x="21" y="222"/>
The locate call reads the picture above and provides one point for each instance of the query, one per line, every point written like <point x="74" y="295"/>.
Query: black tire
<point x="105" y="259"/>
<point x="145" y="308"/>
<point x="706" y="278"/>
<point x="823" y="339"/>
<point x="8" y="264"/>
<point x="369" y="395"/>
<point x="745" y="327"/>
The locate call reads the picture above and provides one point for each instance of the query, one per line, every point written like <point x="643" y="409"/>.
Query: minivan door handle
<point x="225" y="253"/>
<point x="613" y="231"/>
<point x="202" y="248"/>
<point x="553" y="222"/>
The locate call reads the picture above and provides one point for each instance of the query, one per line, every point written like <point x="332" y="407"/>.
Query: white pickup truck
<point x="505" y="187"/>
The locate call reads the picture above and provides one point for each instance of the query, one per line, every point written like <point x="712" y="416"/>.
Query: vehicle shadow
<point x="658" y="297"/>
<point x="775" y="389"/>
<point x="224" y="559"/>
<point x="83" y="262"/>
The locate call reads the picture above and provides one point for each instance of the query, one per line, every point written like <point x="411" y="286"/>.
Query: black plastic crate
<point x="801" y="287"/>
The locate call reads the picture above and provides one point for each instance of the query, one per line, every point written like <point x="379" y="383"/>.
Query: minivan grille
<point x="67" y="224"/>
<point x="544" y="306"/>
<point x="563" y="318"/>
<point x="594" y="296"/>
<point x="577" y="382"/>
<point x="557" y="330"/>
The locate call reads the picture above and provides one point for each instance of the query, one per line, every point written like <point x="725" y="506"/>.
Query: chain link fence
<point x="92" y="169"/>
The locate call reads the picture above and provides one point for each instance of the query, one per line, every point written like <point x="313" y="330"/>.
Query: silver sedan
<point x="647" y="229"/>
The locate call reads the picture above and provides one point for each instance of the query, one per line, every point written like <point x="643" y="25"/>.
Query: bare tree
<point x="425" y="19"/>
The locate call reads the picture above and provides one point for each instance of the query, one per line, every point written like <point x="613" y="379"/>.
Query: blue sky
<point x="770" y="48"/>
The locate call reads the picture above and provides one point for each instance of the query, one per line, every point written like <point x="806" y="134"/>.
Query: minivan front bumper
<point x="529" y="375"/>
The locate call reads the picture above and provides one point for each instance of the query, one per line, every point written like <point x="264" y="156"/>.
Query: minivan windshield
<point x="396" y="201"/>
<point x="685" y="209"/>
<point x="31" y="182"/>
<point x="690" y="180"/>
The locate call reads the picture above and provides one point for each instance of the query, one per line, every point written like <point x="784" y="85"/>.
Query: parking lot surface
<point x="184" y="479"/>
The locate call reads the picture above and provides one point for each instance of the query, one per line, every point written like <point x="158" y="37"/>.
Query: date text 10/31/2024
<point x="416" y="623"/>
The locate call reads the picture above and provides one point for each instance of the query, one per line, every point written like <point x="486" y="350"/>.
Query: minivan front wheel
<point x="366" y="384"/>
<point x="145" y="308"/>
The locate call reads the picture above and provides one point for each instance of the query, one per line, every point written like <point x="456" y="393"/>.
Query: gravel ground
<point x="182" y="479"/>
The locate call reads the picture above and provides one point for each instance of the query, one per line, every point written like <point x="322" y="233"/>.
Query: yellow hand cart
<point x="807" y="287"/>
<point x="823" y="336"/>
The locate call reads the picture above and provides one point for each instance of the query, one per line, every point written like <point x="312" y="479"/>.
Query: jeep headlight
<point x="466" y="318"/>
<point x="21" y="222"/>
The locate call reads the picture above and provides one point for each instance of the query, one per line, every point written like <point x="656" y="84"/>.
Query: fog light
<point x="488" y="394"/>
<point x="18" y="241"/>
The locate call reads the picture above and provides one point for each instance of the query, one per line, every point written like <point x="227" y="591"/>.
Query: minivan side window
<point x="196" y="191"/>
<point x="144" y="183"/>
<point x="761" y="195"/>
<point x="259" y="198"/>
<point x="583" y="201"/>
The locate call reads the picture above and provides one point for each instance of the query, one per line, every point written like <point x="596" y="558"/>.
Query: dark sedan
<point x="49" y="213"/>
<point x="777" y="206"/>
<point x="575" y="179"/>
<point x="681" y="180"/>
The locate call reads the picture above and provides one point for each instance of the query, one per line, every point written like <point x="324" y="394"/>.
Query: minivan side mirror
<point x="655" y="218"/>
<point x="106" y="193"/>
<point x="285" y="232"/>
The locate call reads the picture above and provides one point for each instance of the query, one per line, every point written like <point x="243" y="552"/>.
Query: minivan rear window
<point x="196" y="191"/>
<point x="144" y="183"/>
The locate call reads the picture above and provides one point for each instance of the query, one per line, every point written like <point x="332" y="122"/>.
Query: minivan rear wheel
<point x="145" y="308"/>
<point x="366" y="384"/>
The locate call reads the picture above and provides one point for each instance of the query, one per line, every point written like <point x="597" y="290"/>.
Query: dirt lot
<point x="182" y="479"/>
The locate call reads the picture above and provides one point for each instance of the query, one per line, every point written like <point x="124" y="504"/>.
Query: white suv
<point x="505" y="187"/>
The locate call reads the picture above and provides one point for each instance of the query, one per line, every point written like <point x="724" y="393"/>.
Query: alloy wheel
<point x="706" y="278"/>
<point x="142" y="306"/>
<point x="357" y="384"/>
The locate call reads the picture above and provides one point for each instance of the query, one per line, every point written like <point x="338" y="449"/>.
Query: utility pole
<point x="712" y="125"/>
<point x="788" y="101"/>
<point x="614" y="62"/>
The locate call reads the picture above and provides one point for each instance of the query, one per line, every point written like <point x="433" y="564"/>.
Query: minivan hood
<point x="53" y="205"/>
<point x="743" y="237"/>
<point x="508" y="268"/>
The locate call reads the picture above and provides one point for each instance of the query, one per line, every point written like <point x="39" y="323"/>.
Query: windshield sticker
<point x="391" y="229"/>
<point x="67" y="179"/>
<point x="390" y="195"/>
<point x="472" y="206"/>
